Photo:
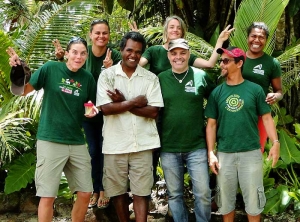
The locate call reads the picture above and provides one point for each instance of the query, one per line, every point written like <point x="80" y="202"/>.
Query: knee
<point x="83" y="196"/>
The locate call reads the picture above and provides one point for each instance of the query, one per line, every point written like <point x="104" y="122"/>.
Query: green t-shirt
<point x="262" y="70"/>
<point x="65" y="93"/>
<point x="236" y="109"/>
<point x="93" y="64"/>
<point x="183" y="113"/>
<point x="157" y="57"/>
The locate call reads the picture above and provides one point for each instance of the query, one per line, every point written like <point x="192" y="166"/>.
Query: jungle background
<point x="30" y="26"/>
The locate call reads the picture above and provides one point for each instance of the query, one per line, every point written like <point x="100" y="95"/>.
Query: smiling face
<point x="174" y="30"/>
<point x="179" y="58"/>
<point x="257" y="41"/>
<point x="131" y="55"/>
<point x="76" y="56"/>
<point x="99" y="34"/>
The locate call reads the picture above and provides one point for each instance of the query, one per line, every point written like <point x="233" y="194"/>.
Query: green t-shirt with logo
<point x="94" y="64"/>
<point x="183" y="113"/>
<point x="236" y="109"/>
<point x="65" y="93"/>
<point x="262" y="70"/>
<point x="157" y="57"/>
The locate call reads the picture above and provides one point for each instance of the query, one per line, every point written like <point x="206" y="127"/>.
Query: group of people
<point x="123" y="135"/>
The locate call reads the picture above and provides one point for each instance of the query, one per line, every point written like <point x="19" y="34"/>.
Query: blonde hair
<point x="165" y="28"/>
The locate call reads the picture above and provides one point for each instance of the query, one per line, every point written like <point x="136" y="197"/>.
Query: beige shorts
<point x="117" y="168"/>
<point x="55" y="158"/>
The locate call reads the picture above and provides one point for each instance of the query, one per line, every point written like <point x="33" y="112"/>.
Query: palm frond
<point x="12" y="135"/>
<point x="62" y="22"/>
<point x="268" y="11"/>
<point x="4" y="67"/>
<point x="198" y="46"/>
<point x="290" y="66"/>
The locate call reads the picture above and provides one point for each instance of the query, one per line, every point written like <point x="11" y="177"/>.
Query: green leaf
<point x="273" y="202"/>
<point x="297" y="129"/>
<point x="20" y="173"/>
<point x="268" y="11"/>
<point x="285" y="199"/>
<point x="269" y="183"/>
<point x="179" y="4"/>
<point x="288" y="150"/>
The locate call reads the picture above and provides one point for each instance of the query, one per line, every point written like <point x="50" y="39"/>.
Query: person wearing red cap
<point x="262" y="69"/>
<point x="232" y="111"/>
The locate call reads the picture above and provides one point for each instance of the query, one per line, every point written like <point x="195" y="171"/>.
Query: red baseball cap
<point x="232" y="52"/>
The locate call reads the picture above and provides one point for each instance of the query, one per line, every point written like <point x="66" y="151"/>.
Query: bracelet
<point x="275" y="141"/>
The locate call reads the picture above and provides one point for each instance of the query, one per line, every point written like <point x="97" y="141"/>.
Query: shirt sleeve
<point x="211" y="109"/>
<point x="154" y="95"/>
<point x="103" y="85"/>
<point x="276" y="70"/>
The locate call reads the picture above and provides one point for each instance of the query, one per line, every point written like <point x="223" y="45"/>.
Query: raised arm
<point x="15" y="61"/>
<point x="202" y="63"/>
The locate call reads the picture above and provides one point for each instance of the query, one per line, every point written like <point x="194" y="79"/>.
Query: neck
<point x="71" y="68"/>
<point x="166" y="45"/>
<point x="234" y="78"/>
<point x="180" y="71"/>
<point x="98" y="51"/>
<point x="127" y="70"/>
<point x="252" y="55"/>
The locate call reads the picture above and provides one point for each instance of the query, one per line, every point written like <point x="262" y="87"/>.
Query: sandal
<point x="103" y="202"/>
<point x="93" y="200"/>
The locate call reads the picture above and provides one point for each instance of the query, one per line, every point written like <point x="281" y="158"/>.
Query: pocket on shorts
<point x="218" y="197"/>
<point x="40" y="162"/>
<point x="261" y="197"/>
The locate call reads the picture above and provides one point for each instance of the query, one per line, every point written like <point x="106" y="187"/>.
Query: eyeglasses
<point x="99" y="21"/>
<point x="225" y="61"/>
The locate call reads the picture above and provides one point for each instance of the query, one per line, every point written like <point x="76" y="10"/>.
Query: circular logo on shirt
<point x="234" y="103"/>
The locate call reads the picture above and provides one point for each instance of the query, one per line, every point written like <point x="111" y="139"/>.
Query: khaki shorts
<point x="137" y="165"/>
<point x="245" y="169"/>
<point x="55" y="158"/>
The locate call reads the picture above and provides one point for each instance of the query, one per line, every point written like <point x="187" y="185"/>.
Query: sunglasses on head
<point x="77" y="39"/>
<point x="99" y="21"/>
<point x="225" y="61"/>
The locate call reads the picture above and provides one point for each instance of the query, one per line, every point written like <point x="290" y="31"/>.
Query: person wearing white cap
<point x="232" y="111"/>
<point x="183" y="132"/>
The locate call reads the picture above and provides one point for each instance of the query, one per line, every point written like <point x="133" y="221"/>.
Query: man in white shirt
<point x="129" y="97"/>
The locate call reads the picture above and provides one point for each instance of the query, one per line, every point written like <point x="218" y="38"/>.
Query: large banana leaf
<point x="249" y="11"/>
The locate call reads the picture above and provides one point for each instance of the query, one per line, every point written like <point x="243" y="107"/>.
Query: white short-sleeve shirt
<point x="126" y="132"/>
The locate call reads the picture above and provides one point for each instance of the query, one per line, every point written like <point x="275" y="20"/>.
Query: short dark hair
<point x="259" y="25"/>
<point x="99" y="21"/>
<point x="74" y="40"/>
<point x="135" y="36"/>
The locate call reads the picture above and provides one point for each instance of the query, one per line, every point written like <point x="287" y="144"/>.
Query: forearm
<point x="27" y="89"/>
<point x="147" y="111"/>
<point x="116" y="107"/>
<point x="270" y="127"/>
<point x="211" y="131"/>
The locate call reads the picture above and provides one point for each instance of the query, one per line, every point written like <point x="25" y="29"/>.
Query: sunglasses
<point x="77" y="39"/>
<point x="99" y="21"/>
<point x="225" y="61"/>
